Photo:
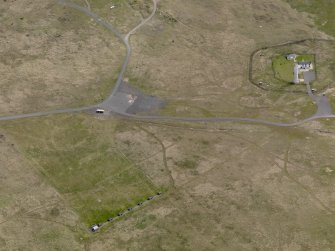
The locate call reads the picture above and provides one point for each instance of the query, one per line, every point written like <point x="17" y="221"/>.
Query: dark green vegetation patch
<point x="78" y="156"/>
<point x="283" y="68"/>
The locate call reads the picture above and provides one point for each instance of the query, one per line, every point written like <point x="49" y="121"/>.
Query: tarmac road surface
<point x="324" y="110"/>
<point x="40" y="114"/>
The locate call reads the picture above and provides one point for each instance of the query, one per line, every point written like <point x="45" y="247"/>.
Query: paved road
<point x="105" y="104"/>
<point x="223" y="119"/>
<point x="129" y="51"/>
<point x="322" y="102"/>
<point x="40" y="114"/>
<point x="125" y="39"/>
<point x="98" y="19"/>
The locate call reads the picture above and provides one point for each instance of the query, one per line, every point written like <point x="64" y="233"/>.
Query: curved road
<point x="129" y="50"/>
<point x="125" y="39"/>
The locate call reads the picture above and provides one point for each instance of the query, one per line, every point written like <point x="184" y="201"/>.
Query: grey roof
<point x="291" y="56"/>
<point x="304" y="63"/>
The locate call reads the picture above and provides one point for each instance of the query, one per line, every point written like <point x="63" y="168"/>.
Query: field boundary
<point x="251" y="63"/>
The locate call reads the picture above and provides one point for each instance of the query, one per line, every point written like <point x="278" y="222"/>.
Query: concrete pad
<point x="309" y="76"/>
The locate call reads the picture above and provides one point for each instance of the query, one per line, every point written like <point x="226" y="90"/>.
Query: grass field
<point x="227" y="186"/>
<point x="283" y="68"/>
<point x="322" y="11"/>
<point x="125" y="15"/>
<point x="305" y="58"/>
<point x="54" y="57"/>
<point x="78" y="156"/>
<point x="238" y="182"/>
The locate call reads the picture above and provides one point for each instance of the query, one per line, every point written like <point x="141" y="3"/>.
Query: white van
<point x="94" y="228"/>
<point x="100" y="111"/>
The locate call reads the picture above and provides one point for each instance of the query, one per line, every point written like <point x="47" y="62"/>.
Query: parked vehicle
<point x="100" y="111"/>
<point x="95" y="228"/>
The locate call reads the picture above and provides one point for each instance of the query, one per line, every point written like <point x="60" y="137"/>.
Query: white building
<point x="299" y="68"/>
<point x="305" y="66"/>
<point x="291" y="56"/>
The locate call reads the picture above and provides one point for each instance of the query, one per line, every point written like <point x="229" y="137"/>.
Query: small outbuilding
<point x="291" y="56"/>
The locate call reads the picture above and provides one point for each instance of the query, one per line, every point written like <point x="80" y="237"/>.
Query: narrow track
<point x="126" y="41"/>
